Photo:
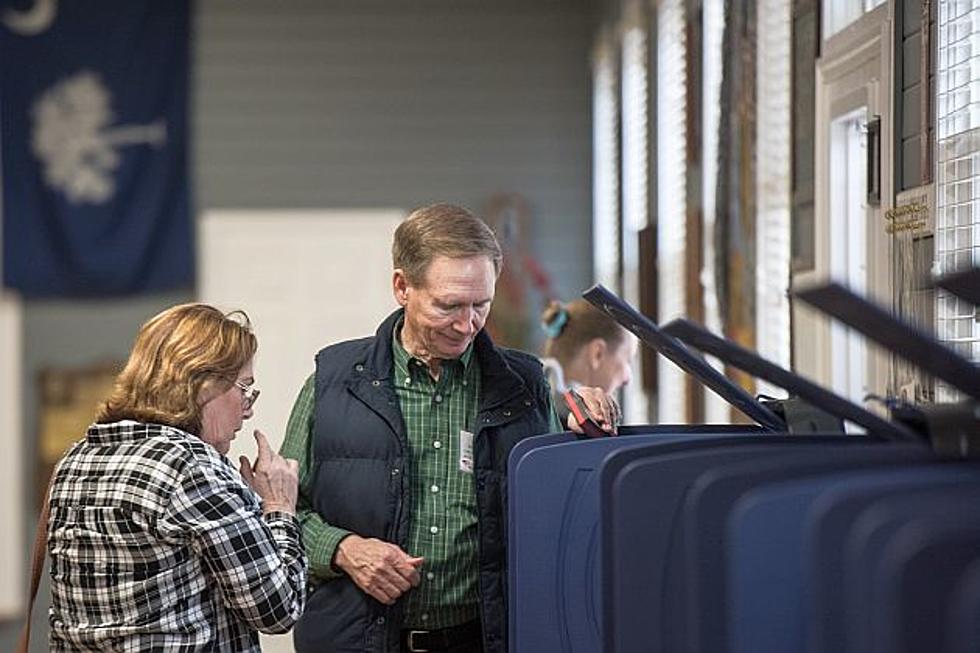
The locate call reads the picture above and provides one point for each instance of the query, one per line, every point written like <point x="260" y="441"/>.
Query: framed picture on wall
<point x="69" y="399"/>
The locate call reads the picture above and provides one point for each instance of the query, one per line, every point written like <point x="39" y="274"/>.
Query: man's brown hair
<point x="441" y="230"/>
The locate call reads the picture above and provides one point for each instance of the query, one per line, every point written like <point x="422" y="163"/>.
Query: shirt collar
<point x="406" y="362"/>
<point x="107" y="433"/>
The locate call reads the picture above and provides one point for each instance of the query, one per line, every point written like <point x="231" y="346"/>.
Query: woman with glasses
<point x="156" y="541"/>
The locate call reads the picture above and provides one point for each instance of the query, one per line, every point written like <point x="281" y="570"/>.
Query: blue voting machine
<point x="768" y="537"/>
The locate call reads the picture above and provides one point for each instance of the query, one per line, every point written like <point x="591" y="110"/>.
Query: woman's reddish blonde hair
<point x="181" y="356"/>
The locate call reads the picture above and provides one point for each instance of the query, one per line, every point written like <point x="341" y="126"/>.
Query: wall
<point x="66" y="334"/>
<point x="328" y="104"/>
<point x="338" y="104"/>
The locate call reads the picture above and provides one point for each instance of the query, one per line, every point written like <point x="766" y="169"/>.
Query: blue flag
<point x="93" y="121"/>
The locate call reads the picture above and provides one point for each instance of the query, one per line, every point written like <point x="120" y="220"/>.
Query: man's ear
<point x="399" y="287"/>
<point x="596" y="350"/>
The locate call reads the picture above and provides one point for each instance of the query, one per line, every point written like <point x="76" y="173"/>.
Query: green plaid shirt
<point x="444" y="520"/>
<point x="443" y="496"/>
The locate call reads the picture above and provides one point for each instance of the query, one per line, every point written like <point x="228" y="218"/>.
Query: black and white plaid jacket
<point x="156" y="544"/>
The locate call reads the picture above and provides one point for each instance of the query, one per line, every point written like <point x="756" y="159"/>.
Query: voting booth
<point x="792" y="534"/>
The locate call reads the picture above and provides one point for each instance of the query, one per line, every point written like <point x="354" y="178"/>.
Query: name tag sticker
<point x="466" y="452"/>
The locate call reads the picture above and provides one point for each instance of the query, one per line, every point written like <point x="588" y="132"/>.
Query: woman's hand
<point x="274" y="478"/>
<point x="602" y="407"/>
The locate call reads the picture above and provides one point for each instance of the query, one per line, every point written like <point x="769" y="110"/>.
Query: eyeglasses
<point x="249" y="394"/>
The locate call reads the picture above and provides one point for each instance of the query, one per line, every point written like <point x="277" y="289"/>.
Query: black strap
<point x="37" y="564"/>
<point x="440" y="640"/>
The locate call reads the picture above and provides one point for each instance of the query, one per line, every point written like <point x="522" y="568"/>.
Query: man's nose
<point x="466" y="322"/>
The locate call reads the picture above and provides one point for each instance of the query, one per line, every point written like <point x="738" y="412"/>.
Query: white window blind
<point x="716" y="409"/>
<point x="958" y="173"/>
<point x="635" y="175"/>
<point x="773" y="184"/>
<point x="605" y="157"/>
<point x="671" y="193"/>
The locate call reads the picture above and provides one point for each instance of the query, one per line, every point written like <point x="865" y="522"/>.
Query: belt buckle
<point x="411" y="641"/>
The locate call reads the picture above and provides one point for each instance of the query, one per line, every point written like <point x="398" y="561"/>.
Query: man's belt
<point x="420" y="641"/>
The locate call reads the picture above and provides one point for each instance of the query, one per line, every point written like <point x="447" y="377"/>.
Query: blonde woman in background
<point x="157" y="541"/>
<point x="584" y="347"/>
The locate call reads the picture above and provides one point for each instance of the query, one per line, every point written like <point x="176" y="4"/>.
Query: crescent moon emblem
<point x="32" y="21"/>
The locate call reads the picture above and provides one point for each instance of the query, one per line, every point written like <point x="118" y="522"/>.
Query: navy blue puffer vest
<point x="360" y="479"/>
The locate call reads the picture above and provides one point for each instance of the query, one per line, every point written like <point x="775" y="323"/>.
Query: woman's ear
<point x="596" y="353"/>
<point x="209" y="390"/>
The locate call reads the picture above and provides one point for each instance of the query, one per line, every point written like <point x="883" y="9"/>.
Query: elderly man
<point x="403" y="439"/>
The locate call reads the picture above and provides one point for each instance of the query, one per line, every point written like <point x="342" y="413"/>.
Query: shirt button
<point x="394" y="472"/>
<point x="430" y="575"/>
<point x="433" y="529"/>
<point x="437" y="445"/>
<point x="434" y="488"/>
<point x="438" y="399"/>
<point x="359" y="367"/>
<point x="465" y="382"/>
<point x="425" y="616"/>
<point x="381" y="620"/>
<point x="408" y="380"/>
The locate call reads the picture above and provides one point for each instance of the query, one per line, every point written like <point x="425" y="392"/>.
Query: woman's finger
<point x="245" y="468"/>
<point x="265" y="451"/>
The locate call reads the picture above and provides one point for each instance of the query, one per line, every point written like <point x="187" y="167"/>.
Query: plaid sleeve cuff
<point x="277" y="520"/>
<point x="288" y="533"/>
<point x="321" y="542"/>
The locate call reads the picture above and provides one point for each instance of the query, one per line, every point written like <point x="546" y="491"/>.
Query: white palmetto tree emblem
<point x="74" y="138"/>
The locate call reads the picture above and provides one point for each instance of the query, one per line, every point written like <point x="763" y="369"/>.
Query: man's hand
<point x="274" y="478"/>
<point x="379" y="568"/>
<point x="603" y="409"/>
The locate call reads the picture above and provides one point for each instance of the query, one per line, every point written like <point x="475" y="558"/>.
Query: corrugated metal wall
<point x="379" y="103"/>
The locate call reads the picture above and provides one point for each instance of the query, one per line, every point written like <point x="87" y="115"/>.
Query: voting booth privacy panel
<point x="773" y="537"/>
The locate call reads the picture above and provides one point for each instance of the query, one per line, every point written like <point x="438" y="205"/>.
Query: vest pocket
<point x="353" y="493"/>
<point x="335" y="619"/>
